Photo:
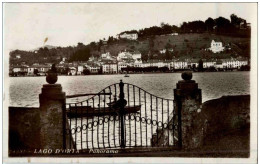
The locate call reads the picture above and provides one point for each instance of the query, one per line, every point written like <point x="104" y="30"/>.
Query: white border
<point x="253" y="117"/>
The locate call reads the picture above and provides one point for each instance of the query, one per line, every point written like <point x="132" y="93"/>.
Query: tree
<point x="100" y="44"/>
<point x="200" y="68"/>
<point x="80" y="45"/>
<point x="35" y="71"/>
<point x="168" y="55"/>
<point x="210" y="23"/>
<point x="144" y="55"/>
<point x="223" y="24"/>
<point x="235" y="20"/>
<point x="151" y="43"/>
<point x="82" y="54"/>
<point x="168" y="45"/>
<point x="86" y="71"/>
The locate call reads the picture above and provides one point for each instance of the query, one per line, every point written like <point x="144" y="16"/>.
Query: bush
<point x="86" y="72"/>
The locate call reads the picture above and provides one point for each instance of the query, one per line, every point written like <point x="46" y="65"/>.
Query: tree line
<point x="219" y="25"/>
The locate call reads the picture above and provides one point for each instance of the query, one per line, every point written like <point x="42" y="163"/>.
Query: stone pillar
<point x="187" y="96"/>
<point x="52" y="115"/>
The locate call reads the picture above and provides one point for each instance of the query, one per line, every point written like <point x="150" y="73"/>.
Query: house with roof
<point x="216" y="47"/>
<point x="72" y="71"/>
<point x="20" y="69"/>
<point x="110" y="67"/>
<point x="180" y="64"/>
<point x="128" y="35"/>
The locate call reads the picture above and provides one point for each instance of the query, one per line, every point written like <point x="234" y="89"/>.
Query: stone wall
<point x="224" y="115"/>
<point x="27" y="133"/>
<point x="24" y="129"/>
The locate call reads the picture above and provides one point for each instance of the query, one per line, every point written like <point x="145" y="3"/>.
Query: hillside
<point x="184" y="45"/>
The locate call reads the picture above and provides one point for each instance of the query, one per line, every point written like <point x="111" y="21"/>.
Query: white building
<point x="216" y="47"/>
<point x="93" y="68"/>
<point x="124" y="55"/>
<point x="130" y="36"/>
<point x="106" y="56"/>
<point x="163" y="51"/>
<point x="80" y="69"/>
<point x="109" y="68"/>
<point x="137" y="56"/>
<point x="122" y="65"/>
<point x="72" y="71"/>
<point x="180" y="65"/>
<point x="30" y="70"/>
<point x="208" y="64"/>
<point x="235" y="63"/>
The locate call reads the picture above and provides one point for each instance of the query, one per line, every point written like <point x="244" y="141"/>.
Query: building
<point x="93" y="68"/>
<point x="72" y="71"/>
<point x="219" y="64"/>
<point x="208" y="64"/>
<point x="180" y="65"/>
<point x="106" y="56"/>
<point x="30" y="70"/>
<point x="216" y="47"/>
<point x="44" y="68"/>
<point x="163" y="51"/>
<point x="234" y="63"/>
<point x="137" y="56"/>
<point x="20" y="70"/>
<point x="110" y="68"/>
<point x="127" y="35"/>
<point x="124" y="55"/>
<point x="80" y="69"/>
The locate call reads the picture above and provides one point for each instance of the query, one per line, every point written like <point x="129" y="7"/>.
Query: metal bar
<point x="93" y="100"/>
<point x="128" y="100"/>
<point x="134" y="114"/>
<point x="98" y="120"/>
<point x="122" y="112"/>
<point x="87" y="126"/>
<point x="162" y="121"/>
<point x="157" y="120"/>
<point x="76" y="125"/>
<point x="104" y="121"/>
<point x="145" y="116"/>
<point x="109" y="119"/>
<point x="70" y="129"/>
<point x="114" y="120"/>
<point x="168" y="123"/>
<point x="151" y="97"/>
<point x="87" y="94"/>
<point x="81" y="126"/>
<point x="140" y="115"/>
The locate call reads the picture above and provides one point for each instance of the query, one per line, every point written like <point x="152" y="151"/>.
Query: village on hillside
<point x="131" y="62"/>
<point x="216" y="45"/>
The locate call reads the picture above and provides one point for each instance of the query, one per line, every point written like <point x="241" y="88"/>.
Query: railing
<point x="122" y="116"/>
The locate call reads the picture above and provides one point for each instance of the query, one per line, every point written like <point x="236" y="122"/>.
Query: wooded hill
<point x="192" y="40"/>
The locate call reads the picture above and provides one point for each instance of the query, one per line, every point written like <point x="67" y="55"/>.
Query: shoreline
<point x="138" y="73"/>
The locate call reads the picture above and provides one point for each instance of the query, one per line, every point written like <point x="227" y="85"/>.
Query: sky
<point x="26" y="25"/>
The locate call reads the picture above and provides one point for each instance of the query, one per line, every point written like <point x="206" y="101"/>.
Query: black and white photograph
<point x="166" y="82"/>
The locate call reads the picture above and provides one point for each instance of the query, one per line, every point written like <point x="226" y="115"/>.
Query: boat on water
<point x="126" y="75"/>
<point x="89" y="111"/>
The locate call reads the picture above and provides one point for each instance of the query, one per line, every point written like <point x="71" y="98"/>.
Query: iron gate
<point x="122" y="116"/>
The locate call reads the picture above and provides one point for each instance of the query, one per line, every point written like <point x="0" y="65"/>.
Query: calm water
<point x="24" y="91"/>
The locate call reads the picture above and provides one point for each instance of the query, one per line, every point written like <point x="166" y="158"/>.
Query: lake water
<point x="24" y="91"/>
